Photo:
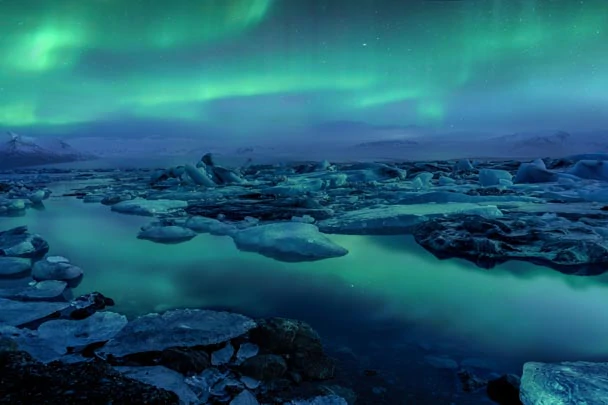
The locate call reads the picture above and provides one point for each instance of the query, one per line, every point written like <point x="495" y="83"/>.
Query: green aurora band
<point x="298" y="62"/>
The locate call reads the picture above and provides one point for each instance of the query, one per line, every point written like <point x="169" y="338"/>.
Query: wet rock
<point x="185" y="361"/>
<point x="288" y="241"/>
<point x="66" y="335"/>
<point x="25" y="381"/>
<point x="57" y="268"/>
<point x="505" y="390"/>
<point x="17" y="313"/>
<point x="177" y="328"/>
<point x="470" y="382"/>
<point x="207" y="384"/>
<point x="27" y="340"/>
<point x="297" y="341"/>
<point x="14" y="266"/>
<point x="8" y="345"/>
<point x="50" y="290"/>
<point x="313" y="366"/>
<point x="18" y="242"/>
<point x="564" y="383"/>
<point x="87" y="304"/>
<point x="162" y="378"/>
<point x="244" y="398"/>
<point x="286" y="336"/>
<point x="264" y="367"/>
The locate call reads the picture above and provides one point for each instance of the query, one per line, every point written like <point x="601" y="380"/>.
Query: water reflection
<point x="386" y="286"/>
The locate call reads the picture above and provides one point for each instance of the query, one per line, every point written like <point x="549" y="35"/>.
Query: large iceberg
<point x="288" y="241"/>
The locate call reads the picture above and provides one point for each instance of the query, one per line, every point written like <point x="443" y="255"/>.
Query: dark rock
<point x="286" y="336"/>
<point x="493" y="191"/>
<point x="18" y="242"/>
<point x="115" y="199"/>
<point x="470" y="382"/>
<point x="505" y="390"/>
<point x="313" y="366"/>
<point x="264" y="367"/>
<point x="208" y="159"/>
<point x="87" y="304"/>
<point x="7" y="345"/>
<point x="185" y="361"/>
<point x="571" y="247"/>
<point x="299" y="342"/>
<point x="267" y="209"/>
<point x="26" y="381"/>
<point x="349" y="395"/>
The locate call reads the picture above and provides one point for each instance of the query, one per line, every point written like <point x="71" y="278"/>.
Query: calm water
<point x="387" y="292"/>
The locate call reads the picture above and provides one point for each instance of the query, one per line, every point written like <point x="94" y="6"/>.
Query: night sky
<point x="246" y="68"/>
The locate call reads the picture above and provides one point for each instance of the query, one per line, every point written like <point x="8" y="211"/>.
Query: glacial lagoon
<point x="387" y="292"/>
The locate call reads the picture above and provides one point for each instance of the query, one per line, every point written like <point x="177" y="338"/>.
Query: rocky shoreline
<point x="58" y="346"/>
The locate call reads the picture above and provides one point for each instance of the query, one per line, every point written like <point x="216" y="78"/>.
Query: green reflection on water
<point x="517" y="308"/>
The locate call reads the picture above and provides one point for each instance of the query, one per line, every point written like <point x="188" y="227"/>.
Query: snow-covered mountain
<point x="17" y="151"/>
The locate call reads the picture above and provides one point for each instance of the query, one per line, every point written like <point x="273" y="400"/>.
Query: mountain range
<point x="18" y="151"/>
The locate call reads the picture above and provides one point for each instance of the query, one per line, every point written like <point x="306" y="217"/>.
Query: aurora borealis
<point x="250" y="67"/>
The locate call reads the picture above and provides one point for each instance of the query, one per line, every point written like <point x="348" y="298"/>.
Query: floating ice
<point x="288" y="241"/>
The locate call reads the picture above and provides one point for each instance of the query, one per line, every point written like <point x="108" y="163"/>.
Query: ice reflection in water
<point x="518" y="310"/>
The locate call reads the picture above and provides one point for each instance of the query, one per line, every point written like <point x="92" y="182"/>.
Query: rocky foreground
<point x="56" y="349"/>
<point x="549" y="212"/>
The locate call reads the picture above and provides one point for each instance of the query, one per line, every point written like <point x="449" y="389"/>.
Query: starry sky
<point x="245" y="68"/>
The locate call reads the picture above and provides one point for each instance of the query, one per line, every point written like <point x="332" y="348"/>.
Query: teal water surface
<point x="517" y="310"/>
